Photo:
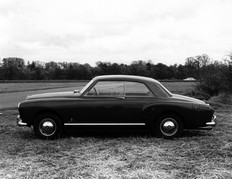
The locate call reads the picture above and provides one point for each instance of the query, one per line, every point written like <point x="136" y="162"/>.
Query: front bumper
<point x="20" y="122"/>
<point x="209" y="125"/>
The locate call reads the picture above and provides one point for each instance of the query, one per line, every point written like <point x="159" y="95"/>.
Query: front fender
<point x="28" y="110"/>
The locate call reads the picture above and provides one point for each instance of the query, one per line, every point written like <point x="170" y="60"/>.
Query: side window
<point x="137" y="89"/>
<point x="159" y="91"/>
<point x="107" y="88"/>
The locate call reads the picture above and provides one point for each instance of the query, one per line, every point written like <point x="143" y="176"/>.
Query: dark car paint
<point x="68" y="94"/>
<point x="74" y="107"/>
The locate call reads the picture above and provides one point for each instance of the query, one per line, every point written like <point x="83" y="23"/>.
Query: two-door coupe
<point x="115" y="102"/>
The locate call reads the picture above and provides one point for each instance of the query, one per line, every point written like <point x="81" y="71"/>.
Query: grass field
<point x="20" y="87"/>
<point x="197" y="154"/>
<point x="12" y="93"/>
<point x="179" y="87"/>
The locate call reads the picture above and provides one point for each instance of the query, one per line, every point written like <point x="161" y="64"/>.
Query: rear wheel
<point x="169" y="126"/>
<point x="47" y="126"/>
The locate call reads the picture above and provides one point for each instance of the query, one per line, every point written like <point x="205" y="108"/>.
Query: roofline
<point x="126" y="77"/>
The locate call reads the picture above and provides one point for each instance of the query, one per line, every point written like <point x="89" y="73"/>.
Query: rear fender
<point x="152" y="112"/>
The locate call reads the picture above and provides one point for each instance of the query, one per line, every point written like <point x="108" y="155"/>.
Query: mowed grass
<point x="180" y="87"/>
<point x="175" y="87"/>
<point x="20" y="87"/>
<point x="197" y="154"/>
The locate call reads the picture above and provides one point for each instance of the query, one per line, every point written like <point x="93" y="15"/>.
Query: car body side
<point x="72" y="107"/>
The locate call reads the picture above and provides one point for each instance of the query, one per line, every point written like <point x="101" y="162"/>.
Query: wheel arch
<point x="171" y="112"/>
<point x="48" y="111"/>
<point x="154" y="112"/>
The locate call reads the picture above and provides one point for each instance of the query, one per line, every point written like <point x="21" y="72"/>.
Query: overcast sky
<point x="86" y="31"/>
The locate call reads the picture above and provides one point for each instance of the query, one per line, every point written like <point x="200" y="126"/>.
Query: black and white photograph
<point x="115" y="89"/>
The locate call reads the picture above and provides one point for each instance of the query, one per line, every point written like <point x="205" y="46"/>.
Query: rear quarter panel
<point x="192" y="118"/>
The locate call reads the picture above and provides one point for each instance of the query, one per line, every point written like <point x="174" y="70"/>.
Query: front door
<point x="102" y="104"/>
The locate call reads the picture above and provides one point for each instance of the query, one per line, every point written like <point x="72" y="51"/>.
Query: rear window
<point x="137" y="89"/>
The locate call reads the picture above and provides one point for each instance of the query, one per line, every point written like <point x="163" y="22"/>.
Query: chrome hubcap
<point x="169" y="126"/>
<point x="47" y="127"/>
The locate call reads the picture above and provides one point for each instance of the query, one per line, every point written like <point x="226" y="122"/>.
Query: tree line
<point x="13" y="68"/>
<point x="213" y="76"/>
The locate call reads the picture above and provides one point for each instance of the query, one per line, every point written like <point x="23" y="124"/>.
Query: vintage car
<point x="115" y="102"/>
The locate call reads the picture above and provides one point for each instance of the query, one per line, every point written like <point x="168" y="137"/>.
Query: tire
<point x="47" y="126"/>
<point x="169" y="126"/>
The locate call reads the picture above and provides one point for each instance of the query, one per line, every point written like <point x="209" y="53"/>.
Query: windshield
<point x="86" y="86"/>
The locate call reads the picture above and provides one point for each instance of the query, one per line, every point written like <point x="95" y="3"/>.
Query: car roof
<point x="126" y="77"/>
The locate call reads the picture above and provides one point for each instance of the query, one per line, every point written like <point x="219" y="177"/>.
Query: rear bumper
<point x="20" y="122"/>
<point x="209" y="125"/>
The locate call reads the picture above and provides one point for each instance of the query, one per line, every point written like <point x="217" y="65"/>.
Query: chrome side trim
<point x="104" y="124"/>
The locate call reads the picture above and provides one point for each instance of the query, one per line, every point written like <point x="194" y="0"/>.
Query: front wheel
<point x="169" y="126"/>
<point x="47" y="126"/>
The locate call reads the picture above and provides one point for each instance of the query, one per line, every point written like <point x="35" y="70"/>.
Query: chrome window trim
<point x="84" y="94"/>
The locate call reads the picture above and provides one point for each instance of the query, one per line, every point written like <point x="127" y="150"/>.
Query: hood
<point x="53" y="95"/>
<point x="187" y="99"/>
